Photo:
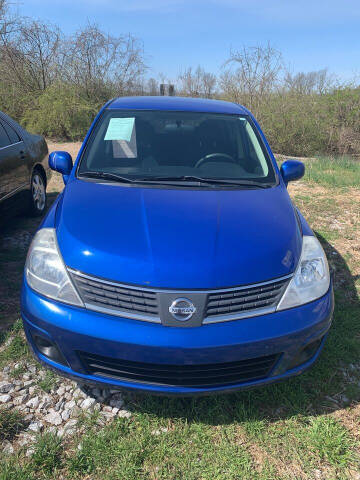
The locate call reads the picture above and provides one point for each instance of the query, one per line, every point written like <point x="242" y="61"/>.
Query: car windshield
<point x="171" y="145"/>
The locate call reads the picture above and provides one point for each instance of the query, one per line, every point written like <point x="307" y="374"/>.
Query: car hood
<point x="177" y="237"/>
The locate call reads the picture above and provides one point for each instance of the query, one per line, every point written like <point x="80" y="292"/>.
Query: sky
<point x="176" y="34"/>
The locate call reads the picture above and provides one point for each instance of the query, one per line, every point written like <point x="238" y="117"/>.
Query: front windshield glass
<point x="173" y="145"/>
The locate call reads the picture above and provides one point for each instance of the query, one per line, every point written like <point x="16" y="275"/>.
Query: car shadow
<point x="15" y="236"/>
<point x="327" y="386"/>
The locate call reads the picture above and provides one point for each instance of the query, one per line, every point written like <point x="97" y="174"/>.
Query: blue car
<point x="174" y="261"/>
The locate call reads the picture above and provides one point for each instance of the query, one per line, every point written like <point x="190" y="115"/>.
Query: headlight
<point x="45" y="271"/>
<point x="311" y="279"/>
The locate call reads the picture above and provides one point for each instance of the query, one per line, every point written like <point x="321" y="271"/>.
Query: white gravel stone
<point x="70" y="404"/>
<point x="33" y="402"/>
<point x="21" y="399"/>
<point x="88" y="403"/>
<point x="70" y="424"/>
<point x="6" y="387"/>
<point x="65" y="415"/>
<point x="5" y="398"/>
<point x="124" y="414"/>
<point x="8" y="448"/>
<point x="36" y="427"/>
<point x="60" y="391"/>
<point x="53" y="417"/>
<point x="75" y="411"/>
<point x="30" y="451"/>
<point x="25" y="439"/>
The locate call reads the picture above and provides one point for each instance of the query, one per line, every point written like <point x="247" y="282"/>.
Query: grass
<point x="333" y="171"/>
<point x="48" y="382"/>
<point x="300" y="429"/>
<point x="11" y="423"/>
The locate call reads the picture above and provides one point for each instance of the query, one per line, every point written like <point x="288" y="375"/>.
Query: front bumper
<point x="74" y="329"/>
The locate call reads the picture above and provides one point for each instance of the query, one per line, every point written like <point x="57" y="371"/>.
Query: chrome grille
<point x="245" y="299"/>
<point x="145" y="304"/>
<point x="98" y="293"/>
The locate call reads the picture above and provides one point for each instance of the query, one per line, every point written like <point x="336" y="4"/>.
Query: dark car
<point x="24" y="173"/>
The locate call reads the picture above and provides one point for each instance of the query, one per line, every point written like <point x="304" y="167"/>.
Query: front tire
<point x="37" y="194"/>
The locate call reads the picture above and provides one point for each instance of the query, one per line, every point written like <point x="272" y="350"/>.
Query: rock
<point x="33" y="403"/>
<point x="6" y="387"/>
<point x="124" y="414"/>
<point x="32" y="368"/>
<point x="26" y="377"/>
<point x="28" y="383"/>
<point x="59" y="405"/>
<point x="30" y="451"/>
<point x="70" y="404"/>
<point x="29" y="417"/>
<point x="5" y="398"/>
<point x="36" y="427"/>
<point x="25" y="439"/>
<point x="60" y="391"/>
<point x="65" y="415"/>
<point x="75" y="411"/>
<point x="8" y="448"/>
<point x="7" y="369"/>
<point x="70" y="424"/>
<point x="32" y="390"/>
<point x="53" y="417"/>
<point x="88" y="403"/>
<point x="21" y="399"/>
<point x="70" y="427"/>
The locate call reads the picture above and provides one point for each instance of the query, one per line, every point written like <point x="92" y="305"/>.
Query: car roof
<point x="186" y="104"/>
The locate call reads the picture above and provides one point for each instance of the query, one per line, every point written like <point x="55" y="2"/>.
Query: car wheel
<point x="38" y="194"/>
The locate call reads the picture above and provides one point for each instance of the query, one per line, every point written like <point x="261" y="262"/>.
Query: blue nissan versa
<point x="174" y="261"/>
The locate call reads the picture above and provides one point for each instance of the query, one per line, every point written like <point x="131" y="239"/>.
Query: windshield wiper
<point x="184" y="178"/>
<point x="107" y="176"/>
<point x="212" y="181"/>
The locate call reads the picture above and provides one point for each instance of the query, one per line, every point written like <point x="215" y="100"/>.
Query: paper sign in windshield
<point x="120" y="129"/>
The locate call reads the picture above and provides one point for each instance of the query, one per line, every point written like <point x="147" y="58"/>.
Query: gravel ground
<point x="57" y="409"/>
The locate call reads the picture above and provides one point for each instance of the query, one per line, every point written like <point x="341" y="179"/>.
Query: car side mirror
<point x="61" y="162"/>
<point x="292" y="170"/>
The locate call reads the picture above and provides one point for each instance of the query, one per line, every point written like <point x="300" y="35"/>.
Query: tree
<point x="29" y="55"/>
<point x="319" y="82"/>
<point x="250" y="74"/>
<point x="198" y="83"/>
<point x="101" y="64"/>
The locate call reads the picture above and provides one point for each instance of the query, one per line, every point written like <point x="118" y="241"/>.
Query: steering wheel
<point x="210" y="156"/>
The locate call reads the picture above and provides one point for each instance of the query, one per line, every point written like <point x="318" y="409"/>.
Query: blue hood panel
<point x="178" y="238"/>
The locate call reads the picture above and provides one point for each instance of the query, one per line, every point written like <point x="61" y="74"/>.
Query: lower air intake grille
<point x="245" y="299"/>
<point x="197" y="376"/>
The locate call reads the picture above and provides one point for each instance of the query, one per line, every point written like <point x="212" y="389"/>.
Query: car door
<point x="14" y="174"/>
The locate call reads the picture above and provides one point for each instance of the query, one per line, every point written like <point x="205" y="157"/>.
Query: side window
<point x="4" y="139"/>
<point x="14" y="137"/>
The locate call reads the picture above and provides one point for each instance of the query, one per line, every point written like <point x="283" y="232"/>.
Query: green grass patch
<point x="48" y="382"/>
<point x="11" y="423"/>
<point x="17" y="349"/>
<point x="333" y="172"/>
<point x="47" y="456"/>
